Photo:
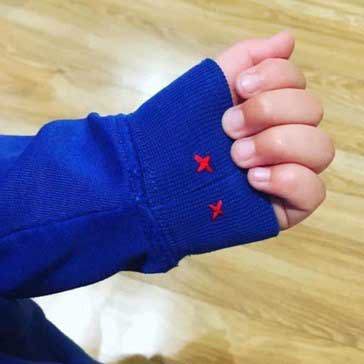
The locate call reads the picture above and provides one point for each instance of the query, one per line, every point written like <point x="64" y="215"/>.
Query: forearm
<point x="86" y="199"/>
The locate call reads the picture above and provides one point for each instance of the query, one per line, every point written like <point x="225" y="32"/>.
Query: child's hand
<point x="276" y="127"/>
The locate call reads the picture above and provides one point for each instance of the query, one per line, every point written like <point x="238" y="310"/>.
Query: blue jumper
<point x="85" y="199"/>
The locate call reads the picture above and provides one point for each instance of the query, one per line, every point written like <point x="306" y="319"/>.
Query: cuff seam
<point x="157" y="233"/>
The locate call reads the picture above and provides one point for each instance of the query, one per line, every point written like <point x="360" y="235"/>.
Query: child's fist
<point x="274" y="124"/>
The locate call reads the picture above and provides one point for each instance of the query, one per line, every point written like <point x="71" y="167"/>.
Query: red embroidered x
<point x="204" y="163"/>
<point x="216" y="209"/>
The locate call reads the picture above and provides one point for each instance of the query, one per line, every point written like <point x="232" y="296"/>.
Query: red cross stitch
<point x="204" y="163"/>
<point x="216" y="209"/>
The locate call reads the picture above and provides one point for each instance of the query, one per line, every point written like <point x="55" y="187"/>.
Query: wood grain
<point x="295" y="299"/>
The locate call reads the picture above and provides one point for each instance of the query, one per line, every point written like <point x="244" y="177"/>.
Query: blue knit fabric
<point x="85" y="199"/>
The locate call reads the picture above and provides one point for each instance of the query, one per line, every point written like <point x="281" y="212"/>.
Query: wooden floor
<point x="295" y="299"/>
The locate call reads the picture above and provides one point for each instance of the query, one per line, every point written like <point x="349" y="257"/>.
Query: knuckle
<point x="287" y="67"/>
<point x="299" y="75"/>
<point x="319" y="193"/>
<point x="329" y="149"/>
<point x="277" y="66"/>
<point x="264" y="107"/>
<point x="323" y="193"/>
<point x="289" y="179"/>
<point x="277" y="141"/>
<point x="317" y="106"/>
<point x="320" y="111"/>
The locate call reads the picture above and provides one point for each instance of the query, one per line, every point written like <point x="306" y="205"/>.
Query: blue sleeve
<point x="27" y="337"/>
<point x="85" y="199"/>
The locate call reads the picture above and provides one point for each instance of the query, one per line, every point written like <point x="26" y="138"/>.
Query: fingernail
<point x="233" y="120"/>
<point x="250" y="83"/>
<point x="260" y="174"/>
<point x="245" y="149"/>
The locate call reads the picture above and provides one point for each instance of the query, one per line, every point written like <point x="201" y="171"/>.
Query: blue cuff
<point x="179" y="123"/>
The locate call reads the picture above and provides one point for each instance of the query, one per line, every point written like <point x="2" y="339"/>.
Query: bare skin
<point x="275" y="126"/>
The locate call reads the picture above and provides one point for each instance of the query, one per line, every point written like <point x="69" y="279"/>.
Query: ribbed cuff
<point x="180" y="122"/>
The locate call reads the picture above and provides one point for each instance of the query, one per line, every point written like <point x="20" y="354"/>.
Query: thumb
<point x="246" y="54"/>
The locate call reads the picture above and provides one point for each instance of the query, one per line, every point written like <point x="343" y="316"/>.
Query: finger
<point x="281" y="45"/>
<point x="300" y="144"/>
<point x="297" y="190"/>
<point x="271" y="74"/>
<point x="272" y="108"/>
<point x="244" y="55"/>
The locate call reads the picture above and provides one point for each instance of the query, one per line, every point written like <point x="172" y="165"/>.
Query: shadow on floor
<point x="209" y="349"/>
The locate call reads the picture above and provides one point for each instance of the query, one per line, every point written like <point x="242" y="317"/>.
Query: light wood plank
<point x="295" y="299"/>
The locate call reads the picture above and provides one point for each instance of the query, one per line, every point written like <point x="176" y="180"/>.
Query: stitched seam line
<point x="160" y="231"/>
